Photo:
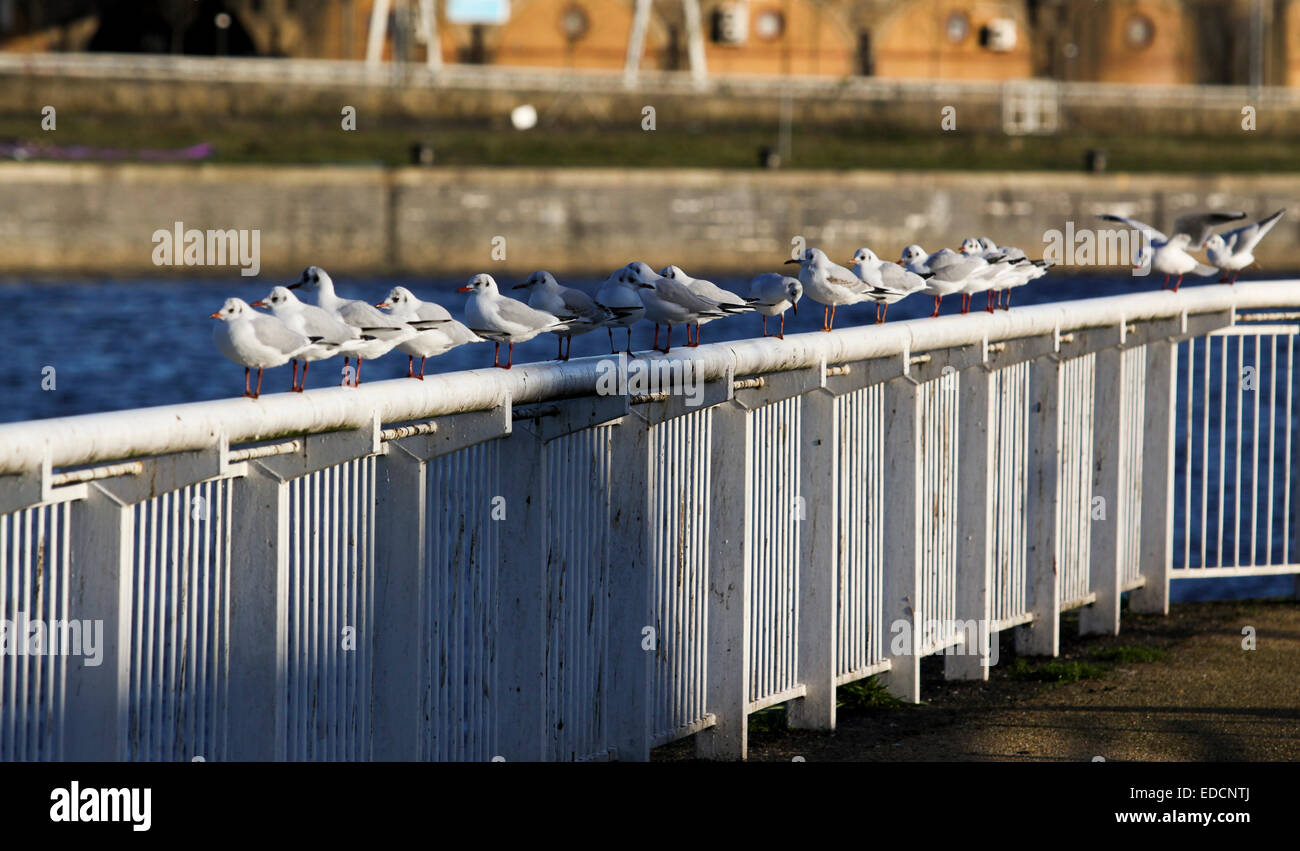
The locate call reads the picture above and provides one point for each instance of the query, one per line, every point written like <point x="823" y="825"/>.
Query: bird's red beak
<point x="382" y="304"/>
<point x="216" y="315"/>
<point x="294" y="286"/>
<point x="258" y="303"/>
<point x="464" y="290"/>
<point x="518" y="286"/>
<point x="795" y="307"/>
<point x="900" y="262"/>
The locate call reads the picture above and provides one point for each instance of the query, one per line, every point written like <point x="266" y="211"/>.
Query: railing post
<point x="631" y="607"/>
<point x="259" y="604"/>
<point x="1042" y="635"/>
<point x="818" y="538"/>
<point x="1101" y="617"/>
<point x="523" y="595"/>
<point x="102" y="539"/>
<point x="974" y="524"/>
<point x="1156" y="552"/>
<point x="401" y="532"/>
<point x="902" y="582"/>
<point x="730" y="494"/>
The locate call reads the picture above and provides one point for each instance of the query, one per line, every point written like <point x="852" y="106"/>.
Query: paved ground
<point x="1207" y="699"/>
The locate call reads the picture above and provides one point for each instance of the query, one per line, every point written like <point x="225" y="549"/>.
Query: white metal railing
<point x="324" y="72"/>
<point x="509" y="564"/>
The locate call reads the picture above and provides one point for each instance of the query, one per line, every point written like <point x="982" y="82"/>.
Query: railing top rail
<point x="114" y="436"/>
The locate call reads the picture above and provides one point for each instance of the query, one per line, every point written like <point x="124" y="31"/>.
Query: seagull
<point x="670" y="302"/>
<point x="728" y="302"/>
<point x="403" y="305"/>
<point x="545" y="293"/>
<point x="772" y="294"/>
<point x="336" y="336"/>
<point x="386" y="331"/>
<point x="1232" y="251"/>
<point x="985" y="280"/>
<point x="620" y="296"/>
<point x="951" y="271"/>
<point x="504" y="320"/>
<point x="1168" y="254"/>
<point x="255" y="340"/>
<point x="888" y="276"/>
<point x="1021" y="271"/>
<point x="829" y="283"/>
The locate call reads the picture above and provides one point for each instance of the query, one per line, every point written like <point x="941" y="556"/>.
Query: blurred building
<point x="1137" y="41"/>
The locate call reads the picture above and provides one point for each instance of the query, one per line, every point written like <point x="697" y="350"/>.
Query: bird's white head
<point x="971" y="247"/>
<point x="232" y="309"/>
<point x="988" y="245"/>
<point x="539" y="278"/>
<point x="865" y="255"/>
<point x="673" y="272"/>
<point x="913" y="254"/>
<point x="1215" y="243"/>
<point x="279" y="297"/>
<point x="642" y="273"/>
<point x="313" y="279"/>
<point x="480" y="283"/>
<point x="795" y="289"/>
<point x="398" y="297"/>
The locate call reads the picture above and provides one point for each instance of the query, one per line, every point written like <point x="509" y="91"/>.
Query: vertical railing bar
<point x="1187" y="472"/>
<point x="1286" y="491"/>
<point x="1254" y="464"/>
<point x="1223" y="442"/>
<point x="1205" y="452"/>
<point x="1236" y="518"/>
<point x="1272" y="443"/>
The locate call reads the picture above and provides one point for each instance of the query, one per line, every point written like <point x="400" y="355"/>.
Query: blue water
<point x="135" y="343"/>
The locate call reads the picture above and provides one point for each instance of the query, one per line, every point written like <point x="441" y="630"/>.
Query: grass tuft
<point x="1127" y="655"/>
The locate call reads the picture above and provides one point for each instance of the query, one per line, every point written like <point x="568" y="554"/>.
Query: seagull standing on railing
<point x="985" y="280"/>
<point x="897" y="282"/>
<point x="403" y="305"/>
<point x="256" y="341"/>
<point x="1233" y="251"/>
<point x="1169" y="254"/>
<point x="829" y="284"/>
<point x="1022" y="270"/>
<point x="386" y="331"/>
<point x="504" y="320"/>
<point x="950" y="270"/>
<point x="728" y="302"/>
<point x="546" y="294"/>
<point x="669" y="302"/>
<point x="772" y="294"/>
<point x="337" y="337"/>
<point x="620" y="295"/>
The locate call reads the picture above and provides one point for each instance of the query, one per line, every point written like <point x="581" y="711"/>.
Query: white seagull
<point x="620" y="295"/>
<point x="1021" y="271"/>
<point x="669" y="302"/>
<point x="546" y="293"/>
<point x="386" y="331"/>
<point x="502" y="319"/>
<point x="336" y="336"/>
<point x="1169" y="254"/>
<point x="256" y="341"/>
<point x="1233" y="251"/>
<point x="772" y="294"/>
<point x="728" y="302"/>
<point x="829" y="284"/>
<point x="899" y="282"/>
<point x="951" y="271"/>
<point x="402" y="304"/>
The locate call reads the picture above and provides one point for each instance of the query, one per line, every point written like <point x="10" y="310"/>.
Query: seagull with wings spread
<point x="1169" y="254"/>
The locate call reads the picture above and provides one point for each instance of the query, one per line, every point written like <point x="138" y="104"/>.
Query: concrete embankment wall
<point x="100" y="219"/>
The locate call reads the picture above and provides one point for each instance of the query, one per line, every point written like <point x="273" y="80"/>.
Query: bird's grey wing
<point x="583" y="306"/>
<point x="321" y="323"/>
<point x="841" y="277"/>
<point x="431" y="310"/>
<point x="1198" y="225"/>
<point x="1146" y="229"/>
<point x="275" y="334"/>
<point x="1245" y="239"/>
<point x="680" y="294"/>
<point x="515" y="311"/>
<point x="362" y="315"/>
